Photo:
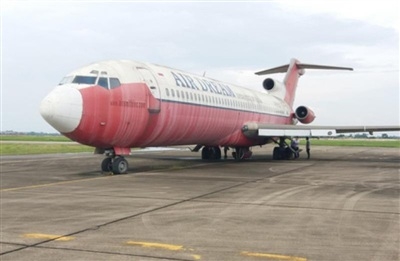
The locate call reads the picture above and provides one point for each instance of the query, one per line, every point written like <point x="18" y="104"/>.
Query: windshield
<point x="84" y="79"/>
<point x="67" y="79"/>
<point x="107" y="83"/>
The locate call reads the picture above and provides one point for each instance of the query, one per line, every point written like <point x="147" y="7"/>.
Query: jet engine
<point x="304" y="114"/>
<point x="272" y="85"/>
<point x="275" y="88"/>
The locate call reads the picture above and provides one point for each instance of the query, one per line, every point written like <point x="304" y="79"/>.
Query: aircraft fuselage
<point x="156" y="106"/>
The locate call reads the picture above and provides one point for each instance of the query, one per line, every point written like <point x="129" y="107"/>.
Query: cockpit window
<point x="106" y="82"/>
<point x="84" y="79"/>
<point x="67" y="79"/>
<point x="103" y="82"/>
<point x="114" y="83"/>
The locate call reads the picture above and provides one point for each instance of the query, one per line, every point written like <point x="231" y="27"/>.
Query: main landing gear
<point x="214" y="153"/>
<point x="211" y="153"/>
<point x="284" y="151"/>
<point x="241" y="153"/>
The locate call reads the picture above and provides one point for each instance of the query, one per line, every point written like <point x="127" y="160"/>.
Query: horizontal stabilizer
<point x="284" y="68"/>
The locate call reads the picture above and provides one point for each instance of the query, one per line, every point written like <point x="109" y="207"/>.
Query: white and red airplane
<point x="117" y="105"/>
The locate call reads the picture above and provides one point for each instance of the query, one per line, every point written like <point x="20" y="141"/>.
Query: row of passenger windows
<point x="228" y="102"/>
<point x="106" y="82"/>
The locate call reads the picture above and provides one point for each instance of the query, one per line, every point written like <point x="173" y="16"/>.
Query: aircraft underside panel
<point x="184" y="123"/>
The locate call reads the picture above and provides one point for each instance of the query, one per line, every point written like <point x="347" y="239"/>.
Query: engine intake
<point x="304" y="114"/>
<point x="270" y="84"/>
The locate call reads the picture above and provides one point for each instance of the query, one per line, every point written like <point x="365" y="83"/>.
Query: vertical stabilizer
<point x="291" y="78"/>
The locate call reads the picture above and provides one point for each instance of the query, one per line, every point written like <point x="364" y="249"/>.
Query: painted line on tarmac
<point x="273" y="256"/>
<point x="156" y="245"/>
<point x="163" y="246"/>
<point x="48" y="236"/>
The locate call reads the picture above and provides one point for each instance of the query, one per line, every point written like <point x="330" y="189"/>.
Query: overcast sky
<point x="43" y="41"/>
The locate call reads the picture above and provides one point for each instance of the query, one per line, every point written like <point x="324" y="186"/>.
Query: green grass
<point x="57" y="138"/>
<point x="40" y="148"/>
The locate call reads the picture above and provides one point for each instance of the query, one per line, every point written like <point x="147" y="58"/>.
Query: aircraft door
<point x="154" y="100"/>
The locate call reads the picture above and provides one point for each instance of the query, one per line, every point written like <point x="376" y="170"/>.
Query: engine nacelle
<point x="275" y="88"/>
<point x="272" y="85"/>
<point x="304" y="114"/>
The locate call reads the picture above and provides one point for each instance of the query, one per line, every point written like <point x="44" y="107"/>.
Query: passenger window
<point x="114" y="83"/>
<point x="173" y="92"/>
<point x="167" y="91"/>
<point x="103" y="82"/>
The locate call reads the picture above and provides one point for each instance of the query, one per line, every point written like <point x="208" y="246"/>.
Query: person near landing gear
<point x="308" y="145"/>
<point x="226" y="148"/>
<point x="295" y="147"/>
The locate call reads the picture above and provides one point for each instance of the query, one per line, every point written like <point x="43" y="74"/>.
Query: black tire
<point x="288" y="154"/>
<point x="276" y="153"/>
<point x="106" y="165"/>
<point x="211" y="153"/>
<point x="205" y="153"/>
<point x="217" y="153"/>
<point x="119" y="165"/>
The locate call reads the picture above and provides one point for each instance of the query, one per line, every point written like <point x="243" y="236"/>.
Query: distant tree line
<point x="30" y="133"/>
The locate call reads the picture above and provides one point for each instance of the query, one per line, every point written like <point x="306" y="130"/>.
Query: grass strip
<point x="31" y="148"/>
<point x="19" y="148"/>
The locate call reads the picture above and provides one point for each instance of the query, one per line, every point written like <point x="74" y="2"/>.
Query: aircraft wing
<point x="271" y="130"/>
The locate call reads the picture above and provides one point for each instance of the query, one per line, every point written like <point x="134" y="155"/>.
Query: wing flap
<point x="297" y="132"/>
<point x="270" y="130"/>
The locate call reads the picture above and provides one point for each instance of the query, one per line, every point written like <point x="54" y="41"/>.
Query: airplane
<point x="117" y="105"/>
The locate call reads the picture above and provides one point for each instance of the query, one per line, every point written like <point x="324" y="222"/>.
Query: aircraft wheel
<point x="276" y="153"/>
<point x="211" y="153"/>
<point x="119" y="165"/>
<point x="216" y="153"/>
<point x="288" y="155"/>
<point x="205" y="153"/>
<point x="106" y="165"/>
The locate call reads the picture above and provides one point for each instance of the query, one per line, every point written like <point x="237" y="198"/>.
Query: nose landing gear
<point x="116" y="164"/>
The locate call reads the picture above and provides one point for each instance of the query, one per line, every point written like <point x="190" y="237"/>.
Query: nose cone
<point x="62" y="108"/>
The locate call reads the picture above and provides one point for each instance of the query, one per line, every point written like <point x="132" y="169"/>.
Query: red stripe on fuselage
<point x="120" y="118"/>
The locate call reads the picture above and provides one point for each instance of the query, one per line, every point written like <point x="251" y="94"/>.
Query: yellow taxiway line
<point x="274" y="256"/>
<point x="156" y="245"/>
<point x="163" y="246"/>
<point x="47" y="236"/>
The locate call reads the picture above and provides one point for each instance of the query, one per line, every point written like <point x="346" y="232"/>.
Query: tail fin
<point x="293" y="71"/>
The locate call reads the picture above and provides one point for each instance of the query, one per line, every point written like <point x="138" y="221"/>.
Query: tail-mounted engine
<point x="304" y="114"/>
<point x="274" y="87"/>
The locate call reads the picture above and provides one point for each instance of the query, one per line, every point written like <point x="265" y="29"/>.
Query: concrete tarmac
<point x="343" y="204"/>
